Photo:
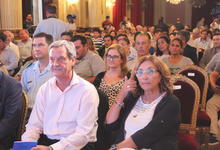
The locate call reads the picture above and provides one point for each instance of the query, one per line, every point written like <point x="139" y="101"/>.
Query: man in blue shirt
<point x="38" y="72"/>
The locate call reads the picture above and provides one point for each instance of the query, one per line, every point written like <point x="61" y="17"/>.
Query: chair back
<point x="21" y="127"/>
<point x="188" y="93"/>
<point x="200" y="77"/>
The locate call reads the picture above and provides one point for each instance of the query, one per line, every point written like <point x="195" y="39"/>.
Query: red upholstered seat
<point x="187" y="141"/>
<point x="203" y="119"/>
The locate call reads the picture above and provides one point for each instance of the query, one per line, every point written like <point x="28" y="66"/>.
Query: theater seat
<point x="187" y="141"/>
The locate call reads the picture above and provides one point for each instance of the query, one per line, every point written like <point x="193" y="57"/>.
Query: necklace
<point x="141" y="108"/>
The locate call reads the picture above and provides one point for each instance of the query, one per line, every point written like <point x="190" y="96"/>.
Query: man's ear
<point x="73" y="60"/>
<point x="86" y="46"/>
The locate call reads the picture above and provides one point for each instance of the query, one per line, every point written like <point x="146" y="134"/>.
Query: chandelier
<point x="175" y="2"/>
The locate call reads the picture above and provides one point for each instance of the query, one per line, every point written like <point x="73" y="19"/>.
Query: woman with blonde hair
<point x="111" y="81"/>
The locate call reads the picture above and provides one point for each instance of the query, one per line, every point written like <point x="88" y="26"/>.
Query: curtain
<point x="136" y="12"/>
<point x="11" y="14"/>
<point x="149" y="12"/>
<point x="119" y="11"/>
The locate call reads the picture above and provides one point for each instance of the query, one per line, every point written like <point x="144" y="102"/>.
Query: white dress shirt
<point x="69" y="116"/>
<point x="204" y="44"/>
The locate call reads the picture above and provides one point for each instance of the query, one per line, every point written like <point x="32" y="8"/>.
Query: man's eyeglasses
<point x="149" y="71"/>
<point x="112" y="56"/>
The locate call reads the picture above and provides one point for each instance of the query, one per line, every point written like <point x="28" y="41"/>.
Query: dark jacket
<point x="101" y="51"/>
<point x="161" y="132"/>
<point x="104" y="138"/>
<point x="10" y="109"/>
<point x="190" y="52"/>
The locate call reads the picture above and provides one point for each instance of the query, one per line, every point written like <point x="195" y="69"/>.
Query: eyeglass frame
<point x="149" y="71"/>
<point x="112" y="56"/>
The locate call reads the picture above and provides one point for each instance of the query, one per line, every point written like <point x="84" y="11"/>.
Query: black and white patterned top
<point x="111" y="90"/>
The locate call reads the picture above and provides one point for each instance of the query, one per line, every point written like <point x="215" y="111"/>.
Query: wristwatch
<point x="114" y="147"/>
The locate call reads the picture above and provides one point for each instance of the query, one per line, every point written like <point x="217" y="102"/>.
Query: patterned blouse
<point x="111" y="90"/>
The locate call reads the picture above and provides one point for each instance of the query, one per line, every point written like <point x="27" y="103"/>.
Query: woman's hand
<point x="129" y="85"/>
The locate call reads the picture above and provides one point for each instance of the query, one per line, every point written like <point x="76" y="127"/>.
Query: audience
<point x="162" y="46"/>
<point x="66" y="36"/>
<point x="108" y="41"/>
<point x="10" y="110"/>
<point x="7" y="56"/>
<point x="129" y="51"/>
<point x="213" y="104"/>
<point x="71" y="22"/>
<point x="97" y="39"/>
<point x="52" y="25"/>
<point x="90" y="44"/>
<point x="65" y="113"/>
<point x="187" y="50"/>
<point x="28" y="22"/>
<point x="38" y="72"/>
<point x="142" y="107"/>
<point x="208" y="54"/>
<point x="142" y="44"/>
<point x="121" y="49"/>
<point x="88" y="64"/>
<point x="111" y="81"/>
<point x="25" y="45"/>
<point x="175" y="61"/>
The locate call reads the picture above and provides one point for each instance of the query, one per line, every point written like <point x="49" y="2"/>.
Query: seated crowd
<point x="102" y="90"/>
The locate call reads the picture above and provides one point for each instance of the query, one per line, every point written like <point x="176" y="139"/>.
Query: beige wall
<point x="171" y="12"/>
<point x="10" y="14"/>
<point x="90" y="13"/>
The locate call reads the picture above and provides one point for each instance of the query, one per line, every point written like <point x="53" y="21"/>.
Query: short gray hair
<point x="70" y="48"/>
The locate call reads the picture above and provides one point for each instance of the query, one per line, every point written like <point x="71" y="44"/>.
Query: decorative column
<point x="37" y="11"/>
<point x="10" y="14"/>
<point x="159" y="10"/>
<point x="96" y="12"/>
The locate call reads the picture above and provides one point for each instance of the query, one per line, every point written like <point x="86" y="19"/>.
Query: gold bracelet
<point x="119" y="104"/>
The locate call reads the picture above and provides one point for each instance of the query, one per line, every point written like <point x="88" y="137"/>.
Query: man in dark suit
<point x="188" y="51"/>
<point x="10" y="110"/>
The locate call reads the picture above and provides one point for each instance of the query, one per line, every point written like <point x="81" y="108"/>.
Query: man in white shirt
<point x="7" y="56"/>
<point x="25" y="45"/>
<point x="10" y="44"/>
<point x="203" y="42"/>
<point x="66" y="106"/>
